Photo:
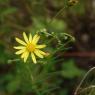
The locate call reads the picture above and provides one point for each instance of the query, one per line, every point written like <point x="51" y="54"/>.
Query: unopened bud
<point x="47" y="54"/>
<point x="72" y="2"/>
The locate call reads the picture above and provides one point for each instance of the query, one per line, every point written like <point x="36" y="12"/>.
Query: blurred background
<point x="65" y="69"/>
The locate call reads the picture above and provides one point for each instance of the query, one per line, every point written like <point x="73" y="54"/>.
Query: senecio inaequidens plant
<point x="30" y="47"/>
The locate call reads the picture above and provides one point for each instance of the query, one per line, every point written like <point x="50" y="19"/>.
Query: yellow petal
<point x="20" y="41"/>
<point x="30" y="38"/>
<point x="35" y="39"/>
<point x="26" y="56"/>
<point x="20" y="51"/>
<point x="41" y="52"/>
<point x="25" y="37"/>
<point x="23" y="54"/>
<point x="33" y="58"/>
<point x="19" y="47"/>
<point x="40" y="46"/>
<point x="38" y="53"/>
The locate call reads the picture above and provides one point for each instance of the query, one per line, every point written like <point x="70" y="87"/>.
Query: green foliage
<point x="49" y="75"/>
<point x="4" y="1"/>
<point x="70" y="70"/>
<point x="7" y="11"/>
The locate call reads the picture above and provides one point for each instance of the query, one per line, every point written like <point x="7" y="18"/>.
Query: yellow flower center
<point x="31" y="47"/>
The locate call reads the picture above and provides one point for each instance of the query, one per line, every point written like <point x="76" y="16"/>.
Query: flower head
<point x="30" y="47"/>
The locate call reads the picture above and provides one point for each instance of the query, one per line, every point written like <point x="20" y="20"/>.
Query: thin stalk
<point x="76" y="91"/>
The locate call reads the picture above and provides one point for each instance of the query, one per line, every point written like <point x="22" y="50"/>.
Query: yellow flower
<point x="30" y="47"/>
